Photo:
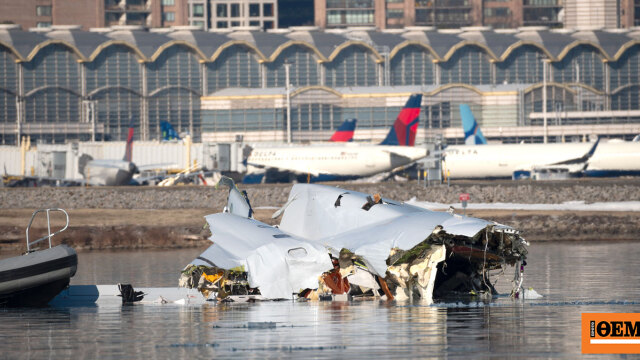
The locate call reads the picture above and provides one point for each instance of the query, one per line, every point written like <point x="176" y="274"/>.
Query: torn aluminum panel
<point x="340" y="220"/>
<point x="278" y="264"/>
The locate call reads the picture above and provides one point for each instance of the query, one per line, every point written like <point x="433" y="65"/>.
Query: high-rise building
<point x="388" y="14"/>
<point x="208" y="14"/>
<point x="224" y="14"/>
<point x="93" y="13"/>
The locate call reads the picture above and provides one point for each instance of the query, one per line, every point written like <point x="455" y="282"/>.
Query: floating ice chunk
<point x="530" y="294"/>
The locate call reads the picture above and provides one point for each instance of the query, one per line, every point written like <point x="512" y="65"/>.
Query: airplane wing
<point x="570" y="166"/>
<point x="581" y="160"/>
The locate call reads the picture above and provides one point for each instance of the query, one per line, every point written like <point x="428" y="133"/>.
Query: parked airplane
<point x="109" y="172"/>
<point x="523" y="160"/>
<point x="323" y="162"/>
<point x="515" y="160"/>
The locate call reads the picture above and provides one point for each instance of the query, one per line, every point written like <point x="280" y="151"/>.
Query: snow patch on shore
<point x="565" y="206"/>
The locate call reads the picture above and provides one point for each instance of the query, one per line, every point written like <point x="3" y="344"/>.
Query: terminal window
<point x="168" y="2"/>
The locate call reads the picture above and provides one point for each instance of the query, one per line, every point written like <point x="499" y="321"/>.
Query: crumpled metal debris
<point x="334" y="243"/>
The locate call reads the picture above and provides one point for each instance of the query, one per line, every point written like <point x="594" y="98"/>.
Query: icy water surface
<point x="573" y="277"/>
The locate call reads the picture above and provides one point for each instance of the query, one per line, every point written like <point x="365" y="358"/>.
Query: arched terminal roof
<point x="441" y="44"/>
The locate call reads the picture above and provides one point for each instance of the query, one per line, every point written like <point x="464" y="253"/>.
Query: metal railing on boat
<point x="49" y="234"/>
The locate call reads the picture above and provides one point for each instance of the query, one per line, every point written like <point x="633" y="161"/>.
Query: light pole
<point x="544" y="98"/>
<point x="287" y="65"/>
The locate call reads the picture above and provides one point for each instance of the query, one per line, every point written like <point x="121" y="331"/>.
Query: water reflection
<point x="574" y="277"/>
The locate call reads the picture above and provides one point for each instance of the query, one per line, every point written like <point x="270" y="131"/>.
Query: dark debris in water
<point x="258" y="326"/>
<point x="292" y="348"/>
<point x="190" y="345"/>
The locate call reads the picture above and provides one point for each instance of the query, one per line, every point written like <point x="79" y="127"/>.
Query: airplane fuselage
<point x="501" y="160"/>
<point x="350" y="160"/>
<point x="109" y="172"/>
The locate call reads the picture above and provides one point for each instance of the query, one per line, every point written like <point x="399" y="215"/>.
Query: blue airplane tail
<point x="472" y="133"/>
<point x="168" y="133"/>
<point x="404" y="130"/>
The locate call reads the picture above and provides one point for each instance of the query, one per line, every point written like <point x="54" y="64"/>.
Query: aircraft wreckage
<point x="338" y="244"/>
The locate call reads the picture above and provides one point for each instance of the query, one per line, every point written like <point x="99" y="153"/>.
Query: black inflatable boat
<point x="36" y="277"/>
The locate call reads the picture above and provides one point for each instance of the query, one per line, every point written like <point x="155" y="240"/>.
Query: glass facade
<point x="522" y="66"/>
<point x="413" y="65"/>
<point x="303" y="70"/>
<point x="583" y="64"/>
<point x="236" y="66"/>
<point x="468" y="65"/>
<point x="354" y="66"/>
<point x="54" y="84"/>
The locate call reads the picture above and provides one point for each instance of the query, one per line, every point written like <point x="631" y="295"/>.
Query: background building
<point x="209" y="14"/>
<point x="65" y="84"/>
<point x="451" y="14"/>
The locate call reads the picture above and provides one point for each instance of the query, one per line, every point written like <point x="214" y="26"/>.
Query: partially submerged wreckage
<point x="333" y="243"/>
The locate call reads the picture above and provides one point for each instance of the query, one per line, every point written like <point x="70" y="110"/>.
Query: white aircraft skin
<point x="349" y="160"/>
<point x="615" y="158"/>
<point x="501" y="160"/>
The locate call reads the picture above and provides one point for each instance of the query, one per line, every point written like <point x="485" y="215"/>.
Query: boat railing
<point x="49" y="234"/>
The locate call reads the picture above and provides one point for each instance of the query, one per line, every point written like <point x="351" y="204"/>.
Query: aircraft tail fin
<point x="345" y="131"/>
<point x="636" y="139"/>
<point x="472" y="133"/>
<point x="168" y="133"/>
<point x="82" y="163"/>
<point x="129" y="149"/>
<point x="403" y="132"/>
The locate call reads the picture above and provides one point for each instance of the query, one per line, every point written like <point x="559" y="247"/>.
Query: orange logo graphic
<point x="614" y="333"/>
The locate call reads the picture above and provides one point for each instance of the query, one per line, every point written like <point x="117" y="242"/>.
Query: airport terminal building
<point x="64" y="84"/>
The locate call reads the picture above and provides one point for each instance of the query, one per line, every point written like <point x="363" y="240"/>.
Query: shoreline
<point x="104" y="218"/>
<point x="127" y="229"/>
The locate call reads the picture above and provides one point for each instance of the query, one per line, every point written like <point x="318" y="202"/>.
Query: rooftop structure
<point x="63" y="83"/>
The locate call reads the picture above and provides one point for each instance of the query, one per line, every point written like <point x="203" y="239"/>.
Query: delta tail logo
<point x="345" y="131"/>
<point x="405" y="128"/>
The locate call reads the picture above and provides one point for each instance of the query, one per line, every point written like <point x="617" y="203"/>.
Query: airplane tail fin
<point x="636" y="139"/>
<point x="82" y="163"/>
<point x="403" y="132"/>
<point x="168" y="133"/>
<point x="129" y="149"/>
<point x="472" y="133"/>
<point x="345" y="131"/>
